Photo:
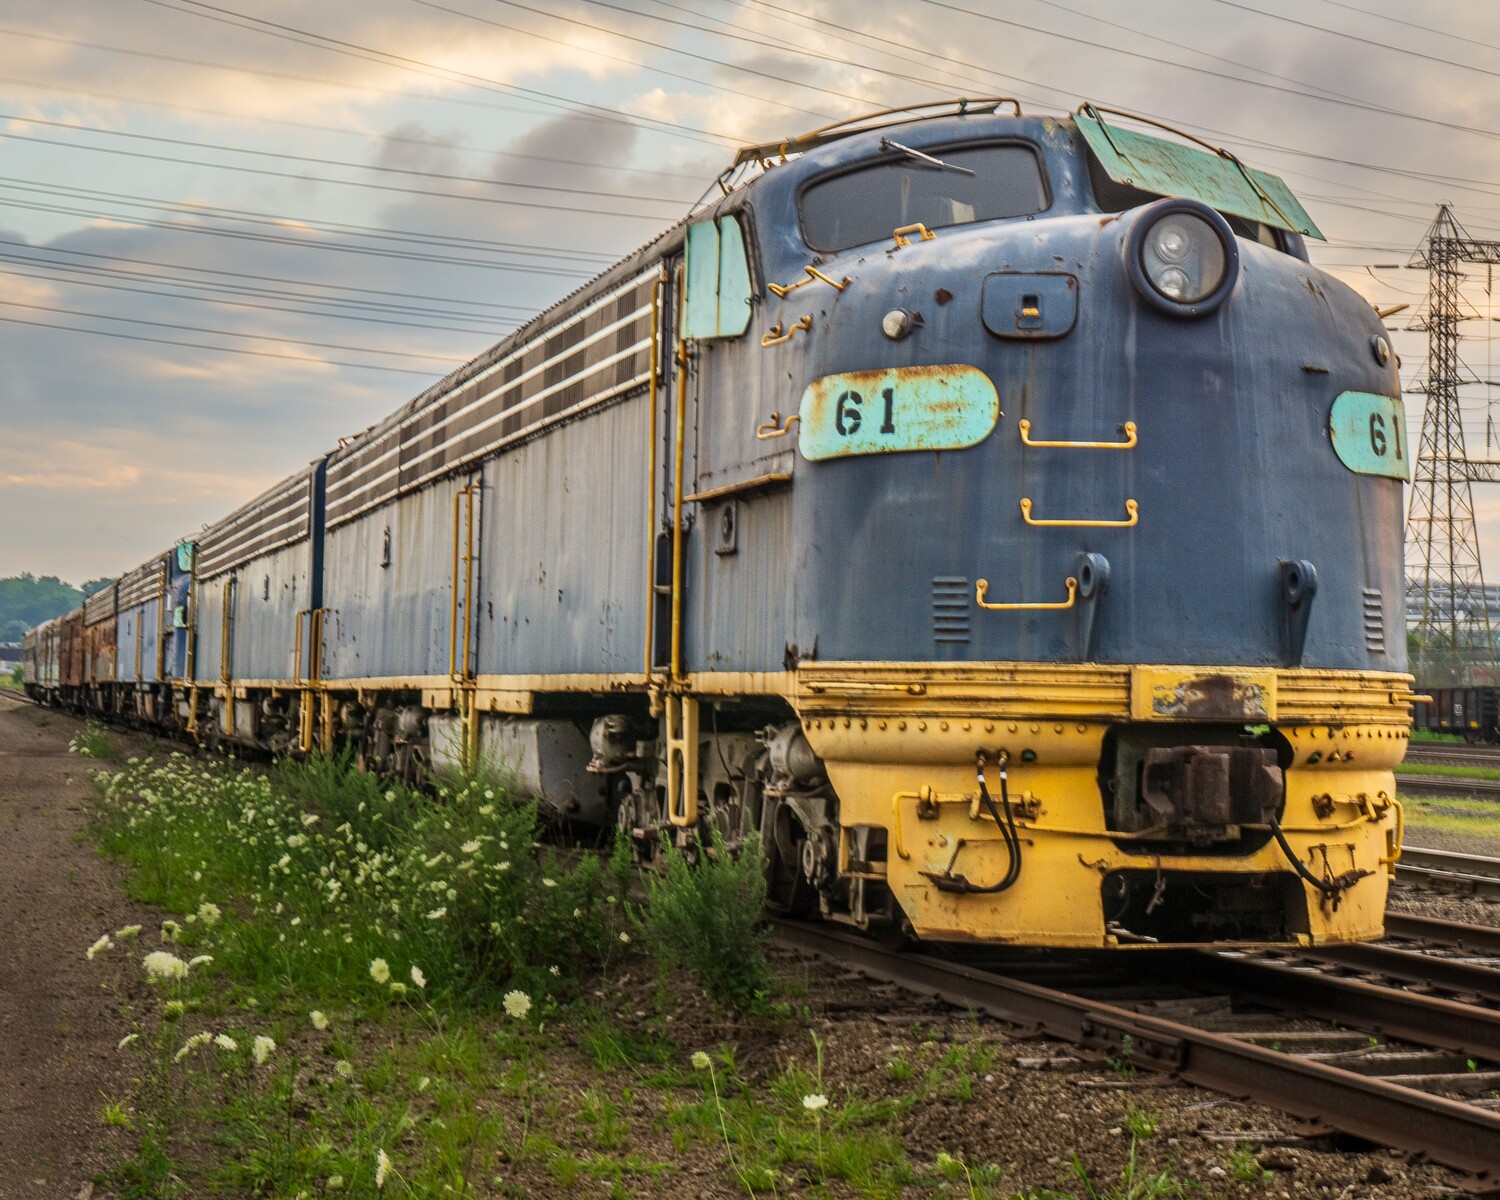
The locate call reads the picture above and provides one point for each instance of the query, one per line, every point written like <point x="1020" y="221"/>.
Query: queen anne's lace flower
<point x="345" y="1068"/>
<point x="814" y="1102"/>
<point x="101" y="945"/>
<point x="418" y="978"/>
<point x="700" y="1061"/>
<point x="517" y="1004"/>
<point x="209" y="913"/>
<point x="318" y="1019"/>
<point x="160" y="964"/>
<point x="126" y="1040"/>
<point x="227" y="1043"/>
<point x="382" y="1167"/>
<point x="198" y="1039"/>
<point x="380" y="971"/>
<point x="262" y="1048"/>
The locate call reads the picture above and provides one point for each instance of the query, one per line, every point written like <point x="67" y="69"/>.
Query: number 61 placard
<point x="904" y="408"/>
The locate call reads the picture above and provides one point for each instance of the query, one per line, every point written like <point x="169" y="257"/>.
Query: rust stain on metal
<point x="1212" y="697"/>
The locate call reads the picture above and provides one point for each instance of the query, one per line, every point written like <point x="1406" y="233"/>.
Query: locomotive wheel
<point x="788" y="891"/>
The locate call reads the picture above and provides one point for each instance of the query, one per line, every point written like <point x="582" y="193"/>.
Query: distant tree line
<point x="26" y="601"/>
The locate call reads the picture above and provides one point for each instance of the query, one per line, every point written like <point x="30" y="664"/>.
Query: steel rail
<point x="1446" y="1131"/>
<point x="1480" y="939"/>
<point x="1475" y="874"/>
<point x="1414" y="968"/>
<point x="1448" y="785"/>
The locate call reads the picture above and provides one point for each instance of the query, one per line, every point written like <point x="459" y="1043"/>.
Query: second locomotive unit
<point x="998" y="513"/>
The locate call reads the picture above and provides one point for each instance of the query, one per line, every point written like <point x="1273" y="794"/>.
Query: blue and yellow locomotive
<point x="997" y="513"/>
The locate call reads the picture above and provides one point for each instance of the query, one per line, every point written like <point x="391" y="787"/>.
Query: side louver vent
<point x="952" y="601"/>
<point x="1374" y="621"/>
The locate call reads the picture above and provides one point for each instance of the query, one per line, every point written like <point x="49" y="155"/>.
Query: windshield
<point x="866" y="204"/>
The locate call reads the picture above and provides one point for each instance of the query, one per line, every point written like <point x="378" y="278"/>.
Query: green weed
<point x="1244" y="1167"/>
<point x="705" y="916"/>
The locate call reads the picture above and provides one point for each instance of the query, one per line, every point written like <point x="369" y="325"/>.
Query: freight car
<point x="1472" y="712"/>
<point x="997" y="512"/>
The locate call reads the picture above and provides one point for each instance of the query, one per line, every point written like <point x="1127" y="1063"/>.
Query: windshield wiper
<point x="887" y="144"/>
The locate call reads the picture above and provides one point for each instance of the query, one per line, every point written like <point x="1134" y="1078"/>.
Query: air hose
<point x="948" y="881"/>
<point x="1332" y="888"/>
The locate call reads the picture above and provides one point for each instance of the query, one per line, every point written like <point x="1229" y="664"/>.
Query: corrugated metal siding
<point x="266" y="594"/>
<point x="29" y="647"/>
<point x="565" y="549"/>
<point x="544" y="373"/>
<point x="100" y="606"/>
<point x="138" y="625"/>
<point x="142" y="584"/>
<point x="277" y="518"/>
<point x="392" y="620"/>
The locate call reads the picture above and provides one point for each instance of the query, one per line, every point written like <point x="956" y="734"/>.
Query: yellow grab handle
<point x="982" y="588"/>
<point x="1132" y="511"/>
<point x="1128" y="429"/>
<point x="776" y="335"/>
<point x="918" y="227"/>
<point x="777" y="426"/>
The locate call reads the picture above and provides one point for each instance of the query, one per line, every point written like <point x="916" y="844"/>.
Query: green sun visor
<point x="1173" y="169"/>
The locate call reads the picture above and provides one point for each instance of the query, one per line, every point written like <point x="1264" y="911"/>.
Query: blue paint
<point x="1369" y="434"/>
<point x="904" y="408"/>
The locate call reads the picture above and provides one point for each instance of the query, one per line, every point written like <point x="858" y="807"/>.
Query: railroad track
<point x="1447" y="785"/>
<point x="1444" y="870"/>
<point x="1396" y="1058"/>
<point x="1453" y="754"/>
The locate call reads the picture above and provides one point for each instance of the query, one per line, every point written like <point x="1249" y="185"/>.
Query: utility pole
<point x="1454" y="632"/>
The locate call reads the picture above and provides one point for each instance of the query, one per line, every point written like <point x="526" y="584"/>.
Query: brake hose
<point x="1331" y="888"/>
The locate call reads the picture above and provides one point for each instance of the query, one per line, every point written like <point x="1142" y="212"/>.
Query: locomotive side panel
<point x="389" y="586"/>
<point x="564" y="548"/>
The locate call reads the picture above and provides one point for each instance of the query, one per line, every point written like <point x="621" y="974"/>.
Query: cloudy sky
<point x="232" y="232"/>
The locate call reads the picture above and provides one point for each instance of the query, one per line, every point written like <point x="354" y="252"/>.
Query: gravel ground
<point x="1032" y="1112"/>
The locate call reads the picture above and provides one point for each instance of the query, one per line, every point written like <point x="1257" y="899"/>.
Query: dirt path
<point x="59" y="1013"/>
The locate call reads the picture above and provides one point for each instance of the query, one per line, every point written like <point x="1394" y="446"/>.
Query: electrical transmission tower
<point x="1453" y="636"/>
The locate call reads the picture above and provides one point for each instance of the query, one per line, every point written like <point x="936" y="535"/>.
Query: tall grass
<point x="321" y="869"/>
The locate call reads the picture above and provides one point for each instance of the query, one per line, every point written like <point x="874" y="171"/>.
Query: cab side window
<point x="718" y="280"/>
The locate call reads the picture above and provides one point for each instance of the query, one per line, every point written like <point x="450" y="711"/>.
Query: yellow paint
<point x="900" y="741"/>
<point x="1128" y="429"/>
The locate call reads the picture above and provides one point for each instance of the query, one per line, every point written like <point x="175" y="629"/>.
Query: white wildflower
<point x="209" y="913"/>
<point x="161" y="965"/>
<point x="625" y="937"/>
<point x="814" y="1102"/>
<point x="546" y="882"/>
<point x="486" y="810"/>
<point x="170" y="931"/>
<point x="262" y="1049"/>
<point x="398" y="988"/>
<point x="227" y="1043"/>
<point x="198" y="1039"/>
<point x="423" y="1082"/>
<point x="126" y="1040"/>
<point x="438" y="914"/>
<point x="102" y="944"/>
<point x="173" y="1009"/>
<point x="517" y="1004"/>
<point x="554" y="970"/>
<point x="200" y="960"/>
<point x="318" y="1019"/>
<point x="700" y="1061"/>
<point x="129" y="931"/>
<point x="309" y="820"/>
<point x="382" y="1159"/>
<point x="418" y="978"/>
<point x="345" y="1068"/>
<point x="335" y="1183"/>
<point x="380" y="971"/>
<point x="470" y="847"/>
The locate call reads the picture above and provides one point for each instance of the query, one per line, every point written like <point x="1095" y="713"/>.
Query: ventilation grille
<point x="1374" y="621"/>
<point x="951" y="606"/>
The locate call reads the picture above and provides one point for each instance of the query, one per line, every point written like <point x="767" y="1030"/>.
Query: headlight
<point x="1182" y="257"/>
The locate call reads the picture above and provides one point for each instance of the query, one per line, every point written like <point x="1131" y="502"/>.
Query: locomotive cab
<point x="1075" y="492"/>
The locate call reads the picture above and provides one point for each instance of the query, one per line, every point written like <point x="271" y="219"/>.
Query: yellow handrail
<point x="777" y="426"/>
<point x="677" y="564"/>
<point x="1132" y="516"/>
<point x="656" y="289"/>
<point x="776" y="335"/>
<point x="813" y="274"/>
<point x="1128" y="429"/>
<point x="917" y="227"/>
<point x="982" y="589"/>
<point x="224" y="666"/>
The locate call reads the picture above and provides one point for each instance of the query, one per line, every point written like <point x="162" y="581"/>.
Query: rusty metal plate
<point x="904" y="408"/>
<point x="1202" y="694"/>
